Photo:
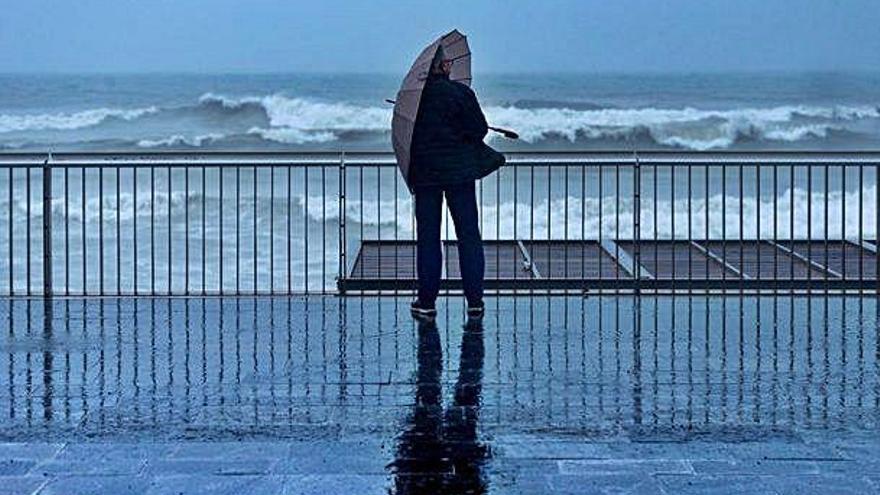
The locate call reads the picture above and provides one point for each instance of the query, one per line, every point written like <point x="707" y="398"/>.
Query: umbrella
<point x="406" y="107"/>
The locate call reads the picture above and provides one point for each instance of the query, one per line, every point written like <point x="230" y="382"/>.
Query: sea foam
<point x="180" y="140"/>
<point x="69" y="121"/>
<point x="687" y="127"/>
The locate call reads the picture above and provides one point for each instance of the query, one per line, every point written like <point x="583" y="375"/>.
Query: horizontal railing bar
<point x="628" y="283"/>
<point x="680" y="289"/>
<point x="186" y="164"/>
<point x="551" y="158"/>
<point x="176" y="296"/>
<point x="392" y="164"/>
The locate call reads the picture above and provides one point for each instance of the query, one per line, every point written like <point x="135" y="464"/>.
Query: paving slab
<point x="199" y="484"/>
<point x="89" y="485"/>
<point x="323" y="483"/>
<point x="12" y="467"/>
<point x="588" y="467"/>
<point x="91" y="466"/>
<point x="717" y="485"/>
<point x="756" y="467"/>
<point x="630" y="482"/>
<point x="333" y="461"/>
<point x="536" y="447"/>
<point x="29" y="450"/>
<point x="817" y="484"/>
<point x="17" y="485"/>
<point x="232" y="467"/>
<point x="231" y="451"/>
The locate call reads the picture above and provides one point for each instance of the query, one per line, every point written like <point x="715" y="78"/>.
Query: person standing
<point x="448" y="157"/>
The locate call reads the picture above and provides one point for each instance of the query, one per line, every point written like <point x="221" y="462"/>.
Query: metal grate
<point x="584" y="265"/>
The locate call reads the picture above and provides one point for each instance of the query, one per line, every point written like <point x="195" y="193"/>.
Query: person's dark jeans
<point x="462" y="200"/>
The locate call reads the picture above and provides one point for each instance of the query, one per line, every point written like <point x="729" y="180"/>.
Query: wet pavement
<point x="547" y="394"/>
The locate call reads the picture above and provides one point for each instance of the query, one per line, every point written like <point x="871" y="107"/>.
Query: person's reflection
<point x="438" y="451"/>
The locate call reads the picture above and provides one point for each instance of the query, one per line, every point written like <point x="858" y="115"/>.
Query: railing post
<point x="637" y="210"/>
<point x="47" y="226"/>
<point x="342" y="237"/>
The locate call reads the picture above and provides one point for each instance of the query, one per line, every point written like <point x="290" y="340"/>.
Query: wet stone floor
<point x="547" y="394"/>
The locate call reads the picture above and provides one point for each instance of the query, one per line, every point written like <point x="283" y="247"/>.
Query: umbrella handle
<point x="505" y="132"/>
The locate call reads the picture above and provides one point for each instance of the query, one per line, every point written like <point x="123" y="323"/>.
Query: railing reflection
<point x="657" y="367"/>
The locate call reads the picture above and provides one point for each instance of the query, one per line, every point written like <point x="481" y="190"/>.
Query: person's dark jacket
<point x="447" y="146"/>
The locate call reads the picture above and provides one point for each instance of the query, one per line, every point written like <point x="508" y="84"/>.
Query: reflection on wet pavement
<point x="439" y="451"/>
<point x="547" y="393"/>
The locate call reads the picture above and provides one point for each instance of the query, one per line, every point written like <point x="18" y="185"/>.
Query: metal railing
<point x="285" y="223"/>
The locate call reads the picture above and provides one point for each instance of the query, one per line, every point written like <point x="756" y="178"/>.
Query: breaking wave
<point x="292" y="136"/>
<point x="688" y="128"/>
<point x="180" y="140"/>
<point x="576" y="217"/>
<point x="560" y="217"/>
<point x="297" y="120"/>
<point x="70" y="121"/>
<point x="285" y="120"/>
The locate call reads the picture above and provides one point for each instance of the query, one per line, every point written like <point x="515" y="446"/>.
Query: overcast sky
<point x="385" y="35"/>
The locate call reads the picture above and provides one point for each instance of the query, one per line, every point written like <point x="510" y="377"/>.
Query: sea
<point x="348" y="111"/>
<point x="159" y="230"/>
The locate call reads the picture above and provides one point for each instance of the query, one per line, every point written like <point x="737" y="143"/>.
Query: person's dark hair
<point x="437" y="62"/>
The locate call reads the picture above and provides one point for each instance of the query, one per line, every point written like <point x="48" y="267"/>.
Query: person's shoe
<point x="476" y="310"/>
<point x="422" y="310"/>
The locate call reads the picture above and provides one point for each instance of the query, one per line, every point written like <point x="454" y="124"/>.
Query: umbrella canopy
<point x="406" y="107"/>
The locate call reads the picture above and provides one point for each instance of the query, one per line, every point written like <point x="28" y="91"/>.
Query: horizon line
<point x="236" y="72"/>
